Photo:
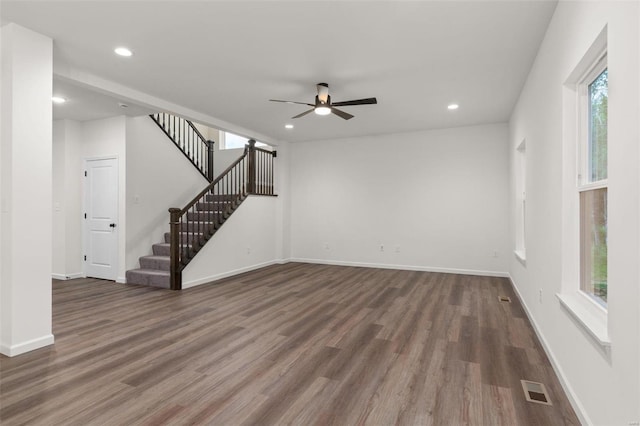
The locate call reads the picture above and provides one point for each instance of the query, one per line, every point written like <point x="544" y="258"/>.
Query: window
<point x="592" y="182"/>
<point x="585" y="202"/>
<point x="232" y="141"/>
<point x="521" y="201"/>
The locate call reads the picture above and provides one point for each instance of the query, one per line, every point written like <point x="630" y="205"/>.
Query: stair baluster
<point x="192" y="226"/>
<point x="188" y="139"/>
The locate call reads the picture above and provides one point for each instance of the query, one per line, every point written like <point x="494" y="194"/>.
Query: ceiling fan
<point x="323" y="105"/>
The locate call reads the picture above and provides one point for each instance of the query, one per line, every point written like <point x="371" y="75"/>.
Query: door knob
<point x="112" y="225"/>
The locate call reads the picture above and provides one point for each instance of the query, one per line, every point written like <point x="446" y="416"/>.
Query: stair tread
<point x="156" y="257"/>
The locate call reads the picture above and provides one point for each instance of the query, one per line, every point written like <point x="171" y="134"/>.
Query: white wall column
<point x="67" y="200"/>
<point x="25" y="191"/>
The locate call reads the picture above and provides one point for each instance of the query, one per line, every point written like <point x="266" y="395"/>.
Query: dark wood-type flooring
<point x="288" y="344"/>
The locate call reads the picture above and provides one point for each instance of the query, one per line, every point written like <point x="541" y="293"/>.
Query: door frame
<point x="85" y="233"/>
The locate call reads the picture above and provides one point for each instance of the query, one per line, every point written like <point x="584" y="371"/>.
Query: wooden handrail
<point x="193" y="225"/>
<point x="188" y="139"/>
<point x="195" y="130"/>
<point x="211" y="185"/>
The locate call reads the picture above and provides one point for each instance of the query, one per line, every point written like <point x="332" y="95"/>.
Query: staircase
<point x="193" y="226"/>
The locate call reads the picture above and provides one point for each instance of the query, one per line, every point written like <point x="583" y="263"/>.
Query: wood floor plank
<point x="296" y="344"/>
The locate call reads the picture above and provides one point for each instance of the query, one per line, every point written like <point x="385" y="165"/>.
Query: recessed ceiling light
<point x="58" y="99"/>
<point x="123" y="51"/>
<point x="453" y="106"/>
<point x="288" y="126"/>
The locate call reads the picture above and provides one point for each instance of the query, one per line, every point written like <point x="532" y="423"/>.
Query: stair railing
<point x="189" y="140"/>
<point x="193" y="225"/>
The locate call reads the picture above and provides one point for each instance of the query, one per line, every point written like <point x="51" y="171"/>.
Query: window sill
<point x="591" y="317"/>
<point x="521" y="255"/>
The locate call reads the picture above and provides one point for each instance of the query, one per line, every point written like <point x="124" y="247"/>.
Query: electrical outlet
<point x="248" y="250"/>
<point x="495" y="253"/>
<point x="326" y="246"/>
<point x="540" y="295"/>
<point x="381" y="247"/>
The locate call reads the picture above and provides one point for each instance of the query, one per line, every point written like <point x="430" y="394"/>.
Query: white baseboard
<point x="68" y="276"/>
<point x="403" y="267"/>
<point x="121" y="280"/>
<point x="568" y="389"/>
<point x="30" y="345"/>
<point x="227" y="274"/>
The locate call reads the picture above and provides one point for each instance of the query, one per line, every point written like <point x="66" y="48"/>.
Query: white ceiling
<point x="226" y="59"/>
<point x="85" y="104"/>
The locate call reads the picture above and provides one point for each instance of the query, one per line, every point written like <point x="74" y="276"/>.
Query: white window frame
<point x="583" y="183"/>
<point x="588" y="313"/>
<point x="223" y="140"/>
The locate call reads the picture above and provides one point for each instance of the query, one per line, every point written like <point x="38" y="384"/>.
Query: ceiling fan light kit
<point x="322" y="110"/>
<point x="323" y="105"/>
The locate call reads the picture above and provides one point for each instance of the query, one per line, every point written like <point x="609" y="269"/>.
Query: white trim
<point x="592" y="317"/>
<point x="87" y="80"/>
<point x="404" y="267"/>
<point x="68" y="276"/>
<point x="121" y="280"/>
<point x="566" y="386"/>
<point x="593" y="185"/>
<point x="521" y="256"/>
<point x="227" y="274"/>
<point x="28" y="346"/>
<point x="222" y="275"/>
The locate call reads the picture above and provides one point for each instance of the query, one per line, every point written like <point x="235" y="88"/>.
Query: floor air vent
<point x="504" y="299"/>
<point x="535" y="392"/>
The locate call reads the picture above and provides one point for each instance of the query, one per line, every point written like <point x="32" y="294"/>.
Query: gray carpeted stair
<point x="151" y="277"/>
<point x="154" y="269"/>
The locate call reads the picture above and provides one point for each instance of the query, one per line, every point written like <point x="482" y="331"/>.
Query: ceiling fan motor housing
<point x="323" y="92"/>
<point x="319" y="101"/>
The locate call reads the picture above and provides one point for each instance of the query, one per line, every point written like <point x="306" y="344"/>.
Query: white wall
<point x="25" y="191"/>
<point x="59" y="223"/>
<point x="435" y="200"/>
<point x="107" y="138"/>
<point x="223" y="158"/>
<point x="603" y="384"/>
<point x="159" y="176"/>
<point x="248" y="240"/>
<point x="67" y="200"/>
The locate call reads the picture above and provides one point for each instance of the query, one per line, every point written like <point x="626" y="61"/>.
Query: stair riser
<point x="186" y="238"/>
<point x="161" y="250"/>
<point x="221" y="197"/>
<point x="160" y="264"/>
<point x="165" y="250"/>
<point x="199" y="227"/>
<point x="140" y="278"/>
<point x="205" y="216"/>
<point x="213" y="207"/>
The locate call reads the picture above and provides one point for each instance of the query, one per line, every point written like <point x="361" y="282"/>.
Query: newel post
<point x="175" y="274"/>
<point x="210" y="160"/>
<point x="252" y="166"/>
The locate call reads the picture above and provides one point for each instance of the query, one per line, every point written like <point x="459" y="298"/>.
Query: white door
<point x="101" y="218"/>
